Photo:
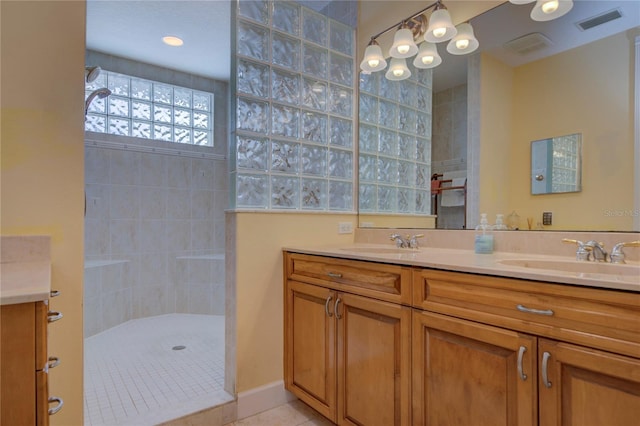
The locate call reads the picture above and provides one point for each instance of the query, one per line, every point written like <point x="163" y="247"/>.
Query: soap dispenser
<point x="484" y="236"/>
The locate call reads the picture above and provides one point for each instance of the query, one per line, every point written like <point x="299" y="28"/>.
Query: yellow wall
<point x="42" y="163"/>
<point x="586" y="90"/>
<point x="496" y="108"/>
<point x="396" y="221"/>
<point x="259" y="240"/>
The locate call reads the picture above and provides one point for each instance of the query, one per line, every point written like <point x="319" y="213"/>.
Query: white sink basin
<point x="380" y="250"/>
<point x="576" y="266"/>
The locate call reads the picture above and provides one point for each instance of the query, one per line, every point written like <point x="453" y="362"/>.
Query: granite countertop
<point x="513" y="265"/>
<point x="25" y="269"/>
<point x="24" y="282"/>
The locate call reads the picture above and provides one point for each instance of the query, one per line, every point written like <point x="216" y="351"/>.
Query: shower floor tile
<point x="133" y="376"/>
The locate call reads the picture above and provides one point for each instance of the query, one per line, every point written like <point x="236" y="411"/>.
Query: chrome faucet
<point x="599" y="253"/>
<point x="406" y="242"/>
<point x="617" y="254"/>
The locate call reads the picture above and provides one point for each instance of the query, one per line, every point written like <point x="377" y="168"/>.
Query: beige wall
<point x="586" y="90"/>
<point x="496" y="109"/>
<point x="42" y="171"/>
<point x="259" y="238"/>
<point x="396" y="221"/>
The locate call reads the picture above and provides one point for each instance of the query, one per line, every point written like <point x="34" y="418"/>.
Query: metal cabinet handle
<point x="57" y="407"/>
<point x="53" y="316"/>
<point x="522" y="308"/>
<point x="326" y="306"/>
<point x="521" y="352"/>
<point x="545" y="372"/>
<point x="334" y="275"/>
<point x="54" y="361"/>
<point x="54" y="293"/>
<point x="335" y="308"/>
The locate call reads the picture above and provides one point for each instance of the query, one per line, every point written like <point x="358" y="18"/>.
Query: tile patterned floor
<point x="295" y="413"/>
<point x="134" y="377"/>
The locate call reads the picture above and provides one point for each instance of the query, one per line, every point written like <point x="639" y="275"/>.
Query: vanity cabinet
<point x="347" y="339"/>
<point x="500" y="351"/>
<point x="24" y="389"/>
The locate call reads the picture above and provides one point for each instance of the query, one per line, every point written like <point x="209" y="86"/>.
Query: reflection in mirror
<point x="556" y="164"/>
<point x="483" y="122"/>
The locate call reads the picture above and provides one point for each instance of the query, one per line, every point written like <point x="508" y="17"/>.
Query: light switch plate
<point x="345" y="228"/>
<point x="547" y="218"/>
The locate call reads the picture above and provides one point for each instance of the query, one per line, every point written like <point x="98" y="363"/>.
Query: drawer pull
<point x="334" y="275"/>
<point x="54" y="361"/>
<point x="53" y="316"/>
<point x="522" y="308"/>
<point x="326" y="306"/>
<point x="335" y="308"/>
<point x="545" y="372"/>
<point x="58" y="407"/>
<point x="54" y="293"/>
<point x="521" y="352"/>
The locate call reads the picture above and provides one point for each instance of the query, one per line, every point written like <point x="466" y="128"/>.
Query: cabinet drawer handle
<point x="53" y="316"/>
<point x="521" y="352"/>
<point x="54" y="293"/>
<point x="335" y="308"/>
<point x="58" y="407"/>
<point x="54" y="361"/>
<point x="326" y="306"/>
<point x="545" y="371"/>
<point x="522" y="308"/>
<point x="334" y="275"/>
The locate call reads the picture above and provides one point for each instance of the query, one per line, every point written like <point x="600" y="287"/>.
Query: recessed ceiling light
<point x="172" y="40"/>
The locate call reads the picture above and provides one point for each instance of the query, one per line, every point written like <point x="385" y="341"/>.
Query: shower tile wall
<point x="449" y="138"/>
<point x="149" y="210"/>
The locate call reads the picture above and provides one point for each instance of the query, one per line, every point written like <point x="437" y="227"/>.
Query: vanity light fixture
<point x="172" y="41"/>
<point x="464" y="41"/>
<point x="437" y="29"/>
<point x="547" y="10"/>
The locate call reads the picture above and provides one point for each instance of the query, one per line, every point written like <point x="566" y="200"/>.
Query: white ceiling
<point x="133" y="29"/>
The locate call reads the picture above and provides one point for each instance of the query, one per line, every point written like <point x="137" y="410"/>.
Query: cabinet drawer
<point x="604" y="319"/>
<point x="385" y="282"/>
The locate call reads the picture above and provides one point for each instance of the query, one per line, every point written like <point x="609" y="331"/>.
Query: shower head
<point x="98" y="93"/>
<point x="91" y="73"/>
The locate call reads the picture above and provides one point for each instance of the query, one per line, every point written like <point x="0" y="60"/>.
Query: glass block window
<point x="395" y="143"/>
<point x="294" y="83"/>
<point x="150" y="110"/>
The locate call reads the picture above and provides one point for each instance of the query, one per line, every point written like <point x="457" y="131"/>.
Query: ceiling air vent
<point x="528" y="43"/>
<point x="600" y="19"/>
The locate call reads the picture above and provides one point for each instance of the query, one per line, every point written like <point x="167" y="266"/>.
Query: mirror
<point x="511" y="99"/>
<point x="556" y="165"/>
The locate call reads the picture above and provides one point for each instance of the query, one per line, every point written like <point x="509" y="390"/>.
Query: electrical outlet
<point x="547" y="218"/>
<point x="345" y="228"/>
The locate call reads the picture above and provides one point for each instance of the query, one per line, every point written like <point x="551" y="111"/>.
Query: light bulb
<point x="550" y="6"/>
<point x="427" y="60"/>
<point x="398" y="73"/>
<point x="462" y="43"/>
<point x="403" y="48"/>
<point x="439" y="32"/>
<point x="373" y="63"/>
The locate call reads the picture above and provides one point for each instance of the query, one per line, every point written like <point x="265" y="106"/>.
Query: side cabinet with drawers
<point x="379" y="344"/>
<point x="24" y="389"/>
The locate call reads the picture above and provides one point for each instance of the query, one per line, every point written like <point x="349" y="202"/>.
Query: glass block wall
<point x="294" y="80"/>
<point x="395" y="143"/>
<point x="566" y="163"/>
<point x="150" y="110"/>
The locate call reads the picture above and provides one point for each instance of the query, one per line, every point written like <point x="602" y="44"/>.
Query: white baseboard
<point x="262" y="398"/>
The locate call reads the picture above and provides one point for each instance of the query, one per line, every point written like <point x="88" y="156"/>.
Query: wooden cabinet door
<point x="310" y="371"/>
<point x="467" y="373"/>
<point x="581" y="386"/>
<point x="374" y="363"/>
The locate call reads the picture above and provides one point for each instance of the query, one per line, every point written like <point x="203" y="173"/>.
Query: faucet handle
<point x="400" y="242"/>
<point x="413" y="241"/>
<point x="617" y="254"/>
<point x="583" y="251"/>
